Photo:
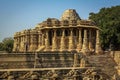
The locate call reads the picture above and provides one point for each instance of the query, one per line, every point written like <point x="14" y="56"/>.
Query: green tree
<point x="108" y="19"/>
<point x="8" y="44"/>
<point x="1" y="46"/>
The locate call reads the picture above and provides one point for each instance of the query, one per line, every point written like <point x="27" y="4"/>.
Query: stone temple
<point x="70" y="33"/>
<point x="65" y="49"/>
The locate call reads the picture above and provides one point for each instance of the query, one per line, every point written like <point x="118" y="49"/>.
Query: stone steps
<point x="105" y="62"/>
<point x="27" y="60"/>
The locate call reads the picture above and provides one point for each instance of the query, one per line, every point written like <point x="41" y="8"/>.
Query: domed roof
<point x="70" y="14"/>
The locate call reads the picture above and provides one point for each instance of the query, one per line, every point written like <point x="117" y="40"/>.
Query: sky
<point x="17" y="15"/>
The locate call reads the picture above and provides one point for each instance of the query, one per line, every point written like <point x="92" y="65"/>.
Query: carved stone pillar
<point x="15" y="44"/>
<point x="54" y="41"/>
<point x="79" y="46"/>
<point x="90" y="41"/>
<point x="75" y="60"/>
<point x="62" y="46"/>
<point x="39" y="39"/>
<point x="83" y="63"/>
<point x="47" y="44"/>
<point x="75" y="75"/>
<point x="71" y="41"/>
<point x="85" y="48"/>
<point x="98" y="46"/>
<point x="10" y="77"/>
<point x="27" y="42"/>
<point x="33" y="40"/>
<point x="34" y="77"/>
<point x="43" y="39"/>
<point x="22" y="44"/>
<point x="19" y="43"/>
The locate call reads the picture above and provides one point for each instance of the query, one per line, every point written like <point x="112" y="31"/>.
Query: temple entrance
<point x="50" y="37"/>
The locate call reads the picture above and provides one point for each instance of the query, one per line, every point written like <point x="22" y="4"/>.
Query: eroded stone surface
<point x="64" y="49"/>
<point x="68" y="34"/>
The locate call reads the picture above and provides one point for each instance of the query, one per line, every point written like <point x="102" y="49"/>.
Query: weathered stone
<point x="68" y="34"/>
<point x="98" y="46"/>
<point x="70" y="14"/>
<point x="85" y="48"/>
<point x="61" y="50"/>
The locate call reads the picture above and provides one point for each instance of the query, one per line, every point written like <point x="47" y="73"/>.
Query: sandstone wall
<point x="30" y="60"/>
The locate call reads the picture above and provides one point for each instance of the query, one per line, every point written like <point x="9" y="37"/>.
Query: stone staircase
<point x="104" y="62"/>
<point x="54" y="60"/>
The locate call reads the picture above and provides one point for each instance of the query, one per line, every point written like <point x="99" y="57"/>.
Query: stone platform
<point x="38" y="60"/>
<point x="56" y="66"/>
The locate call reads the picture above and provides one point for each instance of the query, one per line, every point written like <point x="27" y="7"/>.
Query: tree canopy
<point x="108" y="19"/>
<point x="1" y="46"/>
<point x="7" y="44"/>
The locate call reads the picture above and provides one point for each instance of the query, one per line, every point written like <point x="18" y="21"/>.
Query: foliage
<point x="8" y="44"/>
<point x="1" y="46"/>
<point x="108" y="19"/>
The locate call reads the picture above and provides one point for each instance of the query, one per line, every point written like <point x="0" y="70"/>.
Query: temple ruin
<point x="70" y="33"/>
<point x="65" y="49"/>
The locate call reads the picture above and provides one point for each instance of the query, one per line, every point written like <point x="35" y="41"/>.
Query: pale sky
<point x="17" y="15"/>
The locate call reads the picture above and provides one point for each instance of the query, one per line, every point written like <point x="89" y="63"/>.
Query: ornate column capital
<point x="63" y="32"/>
